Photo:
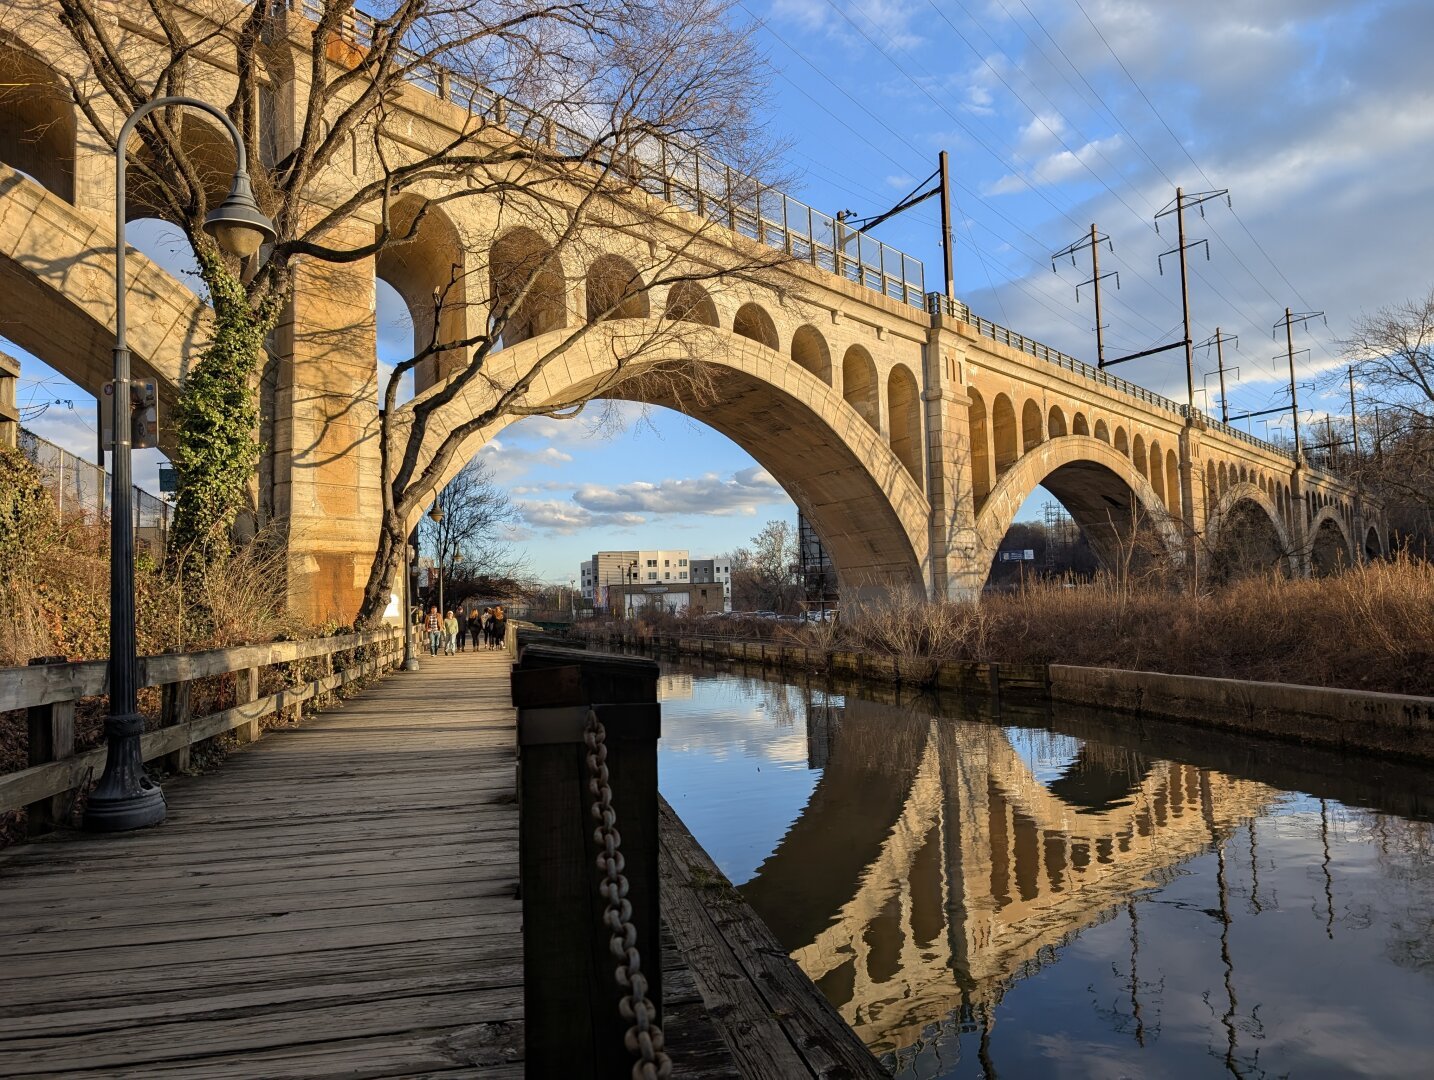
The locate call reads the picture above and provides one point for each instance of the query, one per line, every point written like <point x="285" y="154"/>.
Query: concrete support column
<point x="952" y="573"/>
<point x="1194" y="512"/>
<point x="1301" y="564"/>
<point x="322" y="424"/>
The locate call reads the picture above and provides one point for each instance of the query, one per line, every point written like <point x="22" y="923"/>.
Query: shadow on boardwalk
<point x="338" y="899"/>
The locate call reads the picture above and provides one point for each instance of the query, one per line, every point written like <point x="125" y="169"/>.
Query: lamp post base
<point x="133" y="811"/>
<point x="125" y="798"/>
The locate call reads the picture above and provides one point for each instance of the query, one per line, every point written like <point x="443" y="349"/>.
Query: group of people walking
<point x="451" y="632"/>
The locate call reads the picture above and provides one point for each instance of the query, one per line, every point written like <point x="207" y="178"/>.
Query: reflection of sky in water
<point x="1045" y="753"/>
<point x="733" y="763"/>
<point x="1322" y="985"/>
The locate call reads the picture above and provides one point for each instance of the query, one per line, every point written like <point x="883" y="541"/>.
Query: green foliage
<point x="218" y="416"/>
<point x="25" y="512"/>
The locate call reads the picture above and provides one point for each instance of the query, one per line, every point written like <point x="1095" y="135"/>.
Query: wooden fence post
<point x="52" y="737"/>
<point x="246" y="691"/>
<point x="572" y="1027"/>
<point x="174" y="709"/>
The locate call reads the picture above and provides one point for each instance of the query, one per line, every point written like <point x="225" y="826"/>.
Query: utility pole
<point x="1218" y="341"/>
<point x="941" y="189"/>
<point x="1288" y="322"/>
<point x="948" y="247"/>
<point x="1178" y="209"/>
<point x="1353" y="416"/>
<point x="1093" y="241"/>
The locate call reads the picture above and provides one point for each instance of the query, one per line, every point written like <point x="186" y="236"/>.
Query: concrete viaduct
<point x="907" y="429"/>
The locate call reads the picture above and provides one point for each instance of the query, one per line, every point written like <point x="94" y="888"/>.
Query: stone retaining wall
<point x="1394" y="725"/>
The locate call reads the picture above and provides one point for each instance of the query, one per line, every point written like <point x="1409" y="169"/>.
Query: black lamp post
<point x="410" y="553"/>
<point x="436" y="516"/>
<point x="125" y="798"/>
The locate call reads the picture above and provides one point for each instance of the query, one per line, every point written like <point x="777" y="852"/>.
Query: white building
<point x="653" y="568"/>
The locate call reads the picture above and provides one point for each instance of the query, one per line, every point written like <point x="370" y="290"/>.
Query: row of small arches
<point x="524" y="277"/>
<point x="998" y="440"/>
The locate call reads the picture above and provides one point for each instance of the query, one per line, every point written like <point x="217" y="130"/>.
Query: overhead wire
<point x="1134" y="271"/>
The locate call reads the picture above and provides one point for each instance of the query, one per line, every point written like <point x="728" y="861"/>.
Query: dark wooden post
<point x="572" y="1027"/>
<point x="52" y="737"/>
<point x="173" y="710"/>
<point x="246" y="690"/>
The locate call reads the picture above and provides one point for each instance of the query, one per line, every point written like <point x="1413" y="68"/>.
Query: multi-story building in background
<point x="715" y="571"/>
<point x="656" y="572"/>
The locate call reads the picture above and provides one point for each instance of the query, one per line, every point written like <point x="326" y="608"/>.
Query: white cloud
<point x="633" y="504"/>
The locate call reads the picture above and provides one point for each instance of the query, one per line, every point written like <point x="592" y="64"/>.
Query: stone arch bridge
<point x="907" y="429"/>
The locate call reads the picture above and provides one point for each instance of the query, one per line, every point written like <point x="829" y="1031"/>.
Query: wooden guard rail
<point x="572" y="1027"/>
<point x="50" y="688"/>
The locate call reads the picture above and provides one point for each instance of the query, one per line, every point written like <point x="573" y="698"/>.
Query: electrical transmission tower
<point x="1218" y="340"/>
<point x="1093" y="241"/>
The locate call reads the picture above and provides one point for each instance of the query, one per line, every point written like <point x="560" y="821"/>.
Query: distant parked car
<point x="764" y="615"/>
<point x="827" y="615"/>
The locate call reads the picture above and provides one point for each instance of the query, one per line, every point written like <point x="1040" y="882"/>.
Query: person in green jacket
<point x="450" y="634"/>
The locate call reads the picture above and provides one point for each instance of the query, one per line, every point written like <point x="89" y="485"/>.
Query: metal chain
<point x="644" y="1039"/>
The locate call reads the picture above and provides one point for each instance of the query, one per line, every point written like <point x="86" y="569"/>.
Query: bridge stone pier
<point x="906" y="428"/>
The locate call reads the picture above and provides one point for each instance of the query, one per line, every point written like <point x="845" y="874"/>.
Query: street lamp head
<point x="237" y="224"/>
<point x="436" y="514"/>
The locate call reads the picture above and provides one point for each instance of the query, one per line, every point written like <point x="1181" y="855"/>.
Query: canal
<point x="1022" y="891"/>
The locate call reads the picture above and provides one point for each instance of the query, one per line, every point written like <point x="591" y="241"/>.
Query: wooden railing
<point x="49" y="691"/>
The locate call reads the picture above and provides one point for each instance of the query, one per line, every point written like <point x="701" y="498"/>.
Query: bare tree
<point x="1391" y="355"/>
<point x="469" y="537"/>
<point x="764" y="576"/>
<point x="583" y="123"/>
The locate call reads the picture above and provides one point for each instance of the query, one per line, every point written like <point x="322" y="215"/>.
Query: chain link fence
<point x="81" y="490"/>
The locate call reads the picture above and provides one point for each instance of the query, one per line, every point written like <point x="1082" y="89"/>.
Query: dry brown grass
<point x="1370" y="628"/>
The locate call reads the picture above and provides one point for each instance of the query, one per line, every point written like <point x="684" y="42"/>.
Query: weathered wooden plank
<point x="775" y="1022"/>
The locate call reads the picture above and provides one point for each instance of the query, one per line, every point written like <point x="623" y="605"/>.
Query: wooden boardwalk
<point x="338" y="899"/>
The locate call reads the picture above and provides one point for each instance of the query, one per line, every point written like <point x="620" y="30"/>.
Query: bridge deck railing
<point x="682" y="175"/>
<point x="49" y="690"/>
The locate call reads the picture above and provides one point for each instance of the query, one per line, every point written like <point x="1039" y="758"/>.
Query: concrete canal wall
<point x="1392" y="725"/>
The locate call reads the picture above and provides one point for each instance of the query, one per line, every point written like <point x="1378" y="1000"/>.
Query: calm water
<point x="1068" y="895"/>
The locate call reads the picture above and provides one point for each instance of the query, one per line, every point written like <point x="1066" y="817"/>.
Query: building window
<point x="683" y="575"/>
<point x="681" y="562"/>
<point x="652" y="576"/>
<point x="666" y="577"/>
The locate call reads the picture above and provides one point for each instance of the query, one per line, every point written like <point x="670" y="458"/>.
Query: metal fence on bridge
<point x="680" y="174"/>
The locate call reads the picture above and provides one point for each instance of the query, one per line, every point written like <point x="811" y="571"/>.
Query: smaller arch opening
<point x="809" y="350"/>
<point x="1031" y="433"/>
<point x="614" y="290"/>
<point x="688" y="301"/>
<point x="1079" y="425"/>
<point x="753" y="322"/>
<point x="1056" y="422"/>
<point x="1102" y="432"/>
<point x="1003" y="430"/>
<point x="1122" y="441"/>
<point x="903" y="399"/>
<point x="522" y="264"/>
<point x="859" y="386"/>
<point x="37" y="123"/>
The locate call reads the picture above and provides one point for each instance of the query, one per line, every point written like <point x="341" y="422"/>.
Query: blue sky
<point x="1318" y="115"/>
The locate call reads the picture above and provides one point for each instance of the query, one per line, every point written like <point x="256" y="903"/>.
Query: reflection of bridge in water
<point x="933" y="865"/>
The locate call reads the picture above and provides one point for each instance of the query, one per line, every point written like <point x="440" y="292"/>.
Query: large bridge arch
<point x="1331" y="549"/>
<point x="1095" y="482"/>
<point x="1246" y="516"/>
<point x="872" y="515"/>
